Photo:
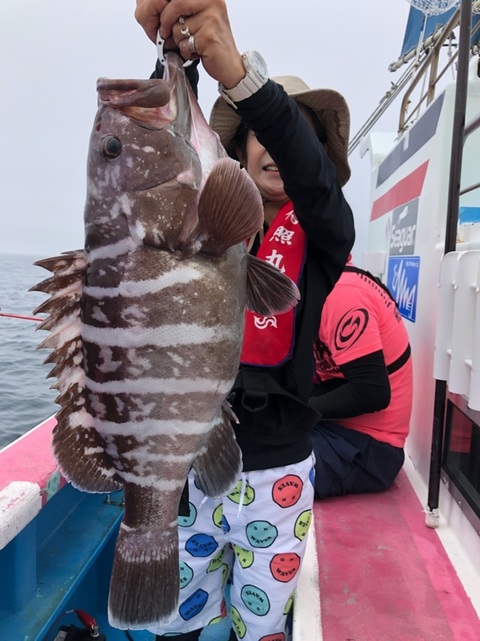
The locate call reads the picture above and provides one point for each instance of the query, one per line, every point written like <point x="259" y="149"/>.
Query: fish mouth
<point x="145" y="102"/>
<point x="133" y="93"/>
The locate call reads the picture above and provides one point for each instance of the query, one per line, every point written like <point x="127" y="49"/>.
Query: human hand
<point x="147" y="14"/>
<point x="207" y="21"/>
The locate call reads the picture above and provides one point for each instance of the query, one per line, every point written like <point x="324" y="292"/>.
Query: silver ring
<point x="185" y="31"/>
<point x="191" y="44"/>
<point x="181" y="20"/>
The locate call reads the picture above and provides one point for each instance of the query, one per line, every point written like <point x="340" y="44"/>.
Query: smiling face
<point x="264" y="171"/>
<point x="259" y="164"/>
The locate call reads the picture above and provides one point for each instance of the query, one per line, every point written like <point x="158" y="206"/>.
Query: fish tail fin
<point x="268" y="290"/>
<point x="145" y="581"/>
<point x="77" y="446"/>
<point x="219" y="463"/>
<point x="230" y="207"/>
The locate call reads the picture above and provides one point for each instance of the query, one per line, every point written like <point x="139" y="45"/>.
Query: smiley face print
<point x="261" y="534"/>
<point x="287" y="490"/>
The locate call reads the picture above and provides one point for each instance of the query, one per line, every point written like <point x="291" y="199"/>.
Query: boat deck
<point x="373" y="570"/>
<point x="379" y="574"/>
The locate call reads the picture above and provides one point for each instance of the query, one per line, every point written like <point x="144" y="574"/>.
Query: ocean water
<point x="25" y="395"/>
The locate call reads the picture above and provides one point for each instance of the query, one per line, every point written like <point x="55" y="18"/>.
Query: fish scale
<point x="146" y="325"/>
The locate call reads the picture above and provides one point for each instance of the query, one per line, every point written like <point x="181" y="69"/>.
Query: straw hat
<point x="329" y="105"/>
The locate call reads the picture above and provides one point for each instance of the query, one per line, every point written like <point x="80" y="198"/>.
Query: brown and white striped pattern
<point x="146" y="328"/>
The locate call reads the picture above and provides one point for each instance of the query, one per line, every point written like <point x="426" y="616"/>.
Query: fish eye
<point x="111" y="147"/>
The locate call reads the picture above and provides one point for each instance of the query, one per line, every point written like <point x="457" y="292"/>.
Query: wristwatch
<point x="256" y="77"/>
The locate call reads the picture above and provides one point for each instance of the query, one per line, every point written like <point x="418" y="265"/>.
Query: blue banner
<point x="415" y="25"/>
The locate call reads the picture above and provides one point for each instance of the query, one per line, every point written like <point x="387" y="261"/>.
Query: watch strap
<point x="249" y="85"/>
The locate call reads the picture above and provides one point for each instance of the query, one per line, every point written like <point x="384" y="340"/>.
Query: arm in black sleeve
<point x="308" y="174"/>
<point x="366" y="388"/>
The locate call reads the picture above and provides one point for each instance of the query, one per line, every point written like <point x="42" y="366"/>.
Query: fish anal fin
<point x="219" y="464"/>
<point x="230" y="207"/>
<point x="269" y="291"/>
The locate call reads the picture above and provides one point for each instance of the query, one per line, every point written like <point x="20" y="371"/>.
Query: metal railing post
<point x="458" y="137"/>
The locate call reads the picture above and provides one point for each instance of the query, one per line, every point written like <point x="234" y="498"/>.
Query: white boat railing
<point x="457" y="344"/>
<point x="459" y="135"/>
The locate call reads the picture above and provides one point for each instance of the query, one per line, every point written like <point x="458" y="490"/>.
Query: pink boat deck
<point x="30" y="459"/>
<point x="384" y="575"/>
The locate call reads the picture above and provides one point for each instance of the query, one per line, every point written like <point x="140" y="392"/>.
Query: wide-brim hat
<point x="329" y="105"/>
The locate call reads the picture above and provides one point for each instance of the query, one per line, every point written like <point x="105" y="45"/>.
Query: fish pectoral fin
<point x="230" y="208"/>
<point x="269" y="291"/>
<point x="219" y="465"/>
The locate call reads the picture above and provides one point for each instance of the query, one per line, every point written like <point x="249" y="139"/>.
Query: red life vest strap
<point x="268" y="340"/>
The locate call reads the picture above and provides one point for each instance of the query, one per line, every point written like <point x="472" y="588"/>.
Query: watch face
<point x="259" y="63"/>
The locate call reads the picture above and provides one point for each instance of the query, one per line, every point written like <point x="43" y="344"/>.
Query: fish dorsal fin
<point x="230" y="208"/>
<point x="74" y="435"/>
<point x="269" y="291"/>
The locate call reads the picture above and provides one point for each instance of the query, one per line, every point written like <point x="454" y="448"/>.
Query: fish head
<point x="144" y="172"/>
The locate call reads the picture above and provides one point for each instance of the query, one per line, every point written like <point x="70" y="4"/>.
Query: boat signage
<point x="412" y="141"/>
<point x="402" y="281"/>
<point x="404" y="191"/>
<point x="404" y="227"/>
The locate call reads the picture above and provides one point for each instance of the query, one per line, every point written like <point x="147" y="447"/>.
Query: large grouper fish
<point x="146" y="325"/>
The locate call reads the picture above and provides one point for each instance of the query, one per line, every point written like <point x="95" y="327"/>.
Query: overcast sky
<point x="53" y="51"/>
